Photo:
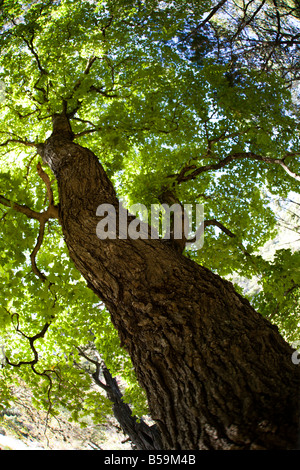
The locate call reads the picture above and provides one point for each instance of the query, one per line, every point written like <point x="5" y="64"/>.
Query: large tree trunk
<point x="216" y="373"/>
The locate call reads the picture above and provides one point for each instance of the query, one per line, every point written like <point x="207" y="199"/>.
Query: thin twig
<point x="209" y="16"/>
<point x="33" y="254"/>
<point x="23" y="209"/>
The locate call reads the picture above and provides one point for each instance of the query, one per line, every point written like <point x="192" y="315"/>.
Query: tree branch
<point x="95" y="374"/>
<point x="31" y="214"/>
<point x="214" y="222"/>
<point x="18" y="141"/>
<point x="248" y="21"/>
<point x="288" y="291"/>
<point x="34" y="53"/>
<point x="209" y="16"/>
<point x="208" y="223"/>
<point x="42" y="217"/>
<point x="87" y="69"/>
<point x="46" y="373"/>
<point x="44" y="176"/>
<point x="33" y="254"/>
<point x="144" y="437"/>
<point x="87" y="131"/>
<point x="31" y="340"/>
<point x="102" y="92"/>
<point x="288" y="171"/>
<point x="51" y="211"/>
<point x="182" y="176"/>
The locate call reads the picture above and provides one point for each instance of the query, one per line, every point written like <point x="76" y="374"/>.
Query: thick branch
<point x="87" y="69"/>
<point x="208" y="223"/>
<point x="102" y="92"/>
<point x="289" y="172"/>
<point x="42" y="217"/>
<point x="44" y="176"/>
<point x="50" y="213"/>
<point x="31" y="340"/>
<point x="182" y="176"/>
<point x="215" y="223"/>
<point x="31" y="214"/>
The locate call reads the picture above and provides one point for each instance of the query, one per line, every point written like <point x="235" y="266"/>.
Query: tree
<point x="141" y="435"/>
<point x="111" y="79"/>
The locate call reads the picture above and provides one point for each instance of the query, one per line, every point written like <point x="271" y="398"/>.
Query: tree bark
<point x="216" y="373"/>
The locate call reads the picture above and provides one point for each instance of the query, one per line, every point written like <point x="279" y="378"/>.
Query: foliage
<point x="279" y="299"/>
<point x="158" y="115"/>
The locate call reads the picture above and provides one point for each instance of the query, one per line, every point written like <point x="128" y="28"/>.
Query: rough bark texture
<point x="216" y="373"/>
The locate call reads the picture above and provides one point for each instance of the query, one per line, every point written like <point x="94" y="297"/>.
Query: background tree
<point x="141" y="435"/>
<point x="168" y="119"/>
